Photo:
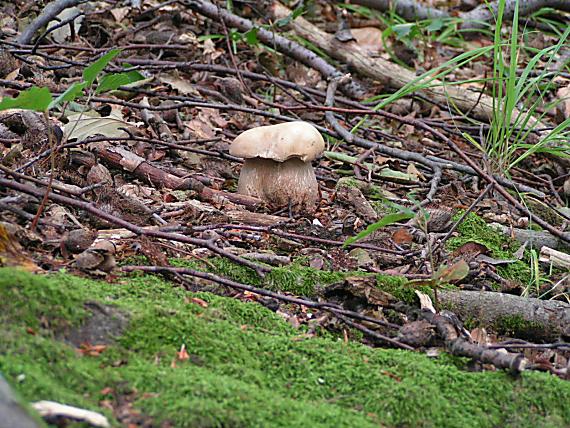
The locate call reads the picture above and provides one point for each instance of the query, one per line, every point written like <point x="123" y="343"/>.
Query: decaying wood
<point x="540" y="319"/>
<point x="484" y="13"/>
<point x="556" y="258"/>
<point x="217" y="196"/>
<point x="535" y="238"/>
<point x="119" y="157"/>
<point x="282" y="44"/>
<point x="479" y="105"/>
<point x="50" y="410"/>
<point x="413" y="10"/>
<point x="456" y="344"/>
<point x="256" y="219"/>
<point x="269" y="258"/>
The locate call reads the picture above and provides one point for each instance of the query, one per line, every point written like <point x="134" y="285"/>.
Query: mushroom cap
<point x="280" y="142"/>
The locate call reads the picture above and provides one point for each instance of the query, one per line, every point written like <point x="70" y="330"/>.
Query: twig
<point x="274" y="231"/>
<point x="460" y="346"/>
<point x="50" y="12"/>
<point x="282" y="44"/>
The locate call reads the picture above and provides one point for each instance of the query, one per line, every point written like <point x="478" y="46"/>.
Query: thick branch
<point x="479" y="105"/>
<point x="412" y="10"/>
<point x="533" y="318"/>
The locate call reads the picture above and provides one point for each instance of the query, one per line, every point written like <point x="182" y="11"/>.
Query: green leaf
<point x="435" y="25"/>
<point x="283" y="22"/>
<point x="455" y="272"/>
<point x="91" y="72"/>
<point x="70" y="94"/>
<point x="37" y="99"/>
<point x="251" y="37"/>
<point x="110" y="82"/>
<point x="384" y="221"/>
<point x="402" y="30"/>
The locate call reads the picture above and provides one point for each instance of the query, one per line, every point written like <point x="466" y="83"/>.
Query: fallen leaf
<point x="183" y="86"/>
<point x="85" y="125"/>
<point x="368" y="38"/>
<point x="12" y="254"/>
<point x="425" y="301"/>
<point x="120" y="13"/>
<point x="60" y="35"/>
<point x="455" y="272"/>
<point x="402" y="236"/>
<point x="200" y="302"/>
<point x="182" y="355"/>
<point x="470" y="248"/>
<point x="415" y="173"/>
<point x="480" y="336"/>
<point x="91" y="350"/>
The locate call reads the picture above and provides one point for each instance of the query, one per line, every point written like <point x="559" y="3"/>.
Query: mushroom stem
<point x="280" y="183"/>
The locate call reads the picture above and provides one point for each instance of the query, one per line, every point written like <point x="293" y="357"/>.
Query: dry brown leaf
<point x="182" y="355"/>
<point x="12" y="254"/>
<point x="564" y="96"/>
<point x="369" y="39"/>
<point x="199" y="302"/>
<point x="402" y="236"/>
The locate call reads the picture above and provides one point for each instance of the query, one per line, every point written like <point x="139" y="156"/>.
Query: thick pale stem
<point x="280" y="183"/>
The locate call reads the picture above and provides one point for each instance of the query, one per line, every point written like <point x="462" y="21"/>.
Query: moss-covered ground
<point x="246" y="366"/>
<point x="500" y="246"/>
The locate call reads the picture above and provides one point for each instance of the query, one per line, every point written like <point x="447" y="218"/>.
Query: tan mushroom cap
<point x="280" y="142"/>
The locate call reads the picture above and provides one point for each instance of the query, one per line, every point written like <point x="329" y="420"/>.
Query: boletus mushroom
<point x="277" y="166"/>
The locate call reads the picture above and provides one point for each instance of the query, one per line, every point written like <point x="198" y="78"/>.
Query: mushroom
<point x="277" y="166"/>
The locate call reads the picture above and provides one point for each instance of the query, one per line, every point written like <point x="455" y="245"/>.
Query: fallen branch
<point x="534" y="319"/>
<point x="460" y="346"/>
<point x="282" y="44"/>
<point x="51" y="411"/>
<point x="481" y="106"/>
<point x="555" y="258"/>
<point x="121" y="158"/>
<point x="484" y="13"/>
<point x="474" y="19"/>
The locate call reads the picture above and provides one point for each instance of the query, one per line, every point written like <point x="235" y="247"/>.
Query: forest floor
<point x="427" y="286"/>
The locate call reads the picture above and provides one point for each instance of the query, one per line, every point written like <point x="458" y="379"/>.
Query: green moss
<point x="475" y="229"/>
<point x="302" y="281"/>
<point x="221" y="266"/>
<point x="517" y="326"/>
<point x="401" y="288"/>
<point x="295" y="278"/>
<point x="371" y="191"/>
<point x="247" y="367"/>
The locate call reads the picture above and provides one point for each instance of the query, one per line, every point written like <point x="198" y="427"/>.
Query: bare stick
<point x="282" y="44"/>
<point x="50" y="12"/>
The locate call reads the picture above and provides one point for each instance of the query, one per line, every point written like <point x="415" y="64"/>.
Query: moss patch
<point x="475" y="229"/>
<point x="246" y="366"/>
<point x="296" y="279"/>
<point x="517" y="326"/>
